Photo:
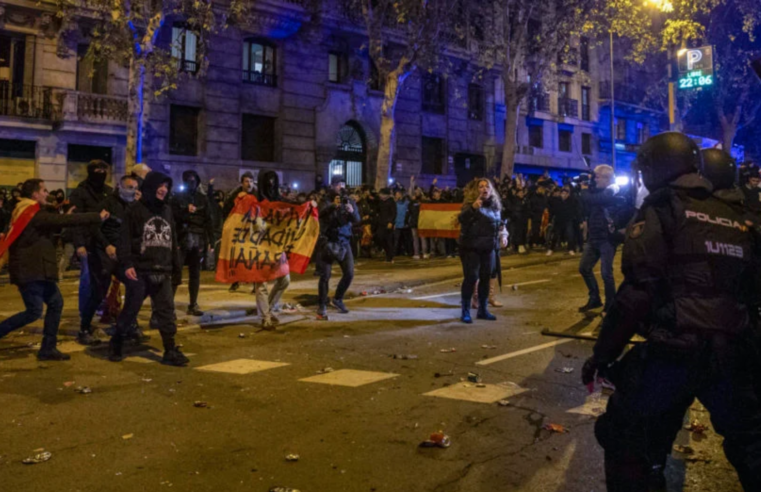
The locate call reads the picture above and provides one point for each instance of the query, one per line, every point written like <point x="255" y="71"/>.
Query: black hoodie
<point x="87" y="198"/>
<point x="198" y="222"/>
<point x="149" y="236"/>
<point x="269" y="187"/>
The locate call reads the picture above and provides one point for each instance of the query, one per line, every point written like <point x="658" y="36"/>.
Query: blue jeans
<point x="34" y="295"/>
<point x="594" y="252"/>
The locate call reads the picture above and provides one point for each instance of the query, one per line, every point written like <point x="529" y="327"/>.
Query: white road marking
<point x="489" y="393"/>
<point x="529" y="350"/>
<point x="241" y="366"/>
<point x="436" y="295"/>
<point x="532" y="282"/>
<point x="448" y="294"/>
<point x="349" y="377"/>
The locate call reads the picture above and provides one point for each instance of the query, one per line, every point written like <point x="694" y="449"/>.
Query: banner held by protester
<point x="439" y="220"/>
<point x="263" y="241"/>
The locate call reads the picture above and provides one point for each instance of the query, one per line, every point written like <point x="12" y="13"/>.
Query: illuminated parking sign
<point x="695" y="67"/>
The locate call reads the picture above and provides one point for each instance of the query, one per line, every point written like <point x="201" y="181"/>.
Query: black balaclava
<point x="153" y="181"/>
<point x="269" y="186"/>
<point x="191" y="180"/>
<point x="97" y="180"/>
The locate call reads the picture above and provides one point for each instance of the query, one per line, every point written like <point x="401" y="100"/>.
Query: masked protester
<point x="32" y="264"/>
<point x="86" y="198"/>
<point x="246" y="186"/>
<point x="195" y="232"/>
<point x="146" y="252"/>
<point x="103" y="259"/>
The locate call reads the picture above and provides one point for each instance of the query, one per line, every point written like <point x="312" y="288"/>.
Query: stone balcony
<point x="96" y="109"/>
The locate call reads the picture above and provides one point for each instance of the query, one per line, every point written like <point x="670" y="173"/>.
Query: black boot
<point x="339" y="304"/>
<point x="194" y="311"/>
<point x="85" y="337"/>
<point x="173" y="357"/>
<point x="591" y="304"/>
<point x="465" y="318"/>
<point x="48" y="350"/>
<point x="483" y="312"/>
<point x="115" y="353"/>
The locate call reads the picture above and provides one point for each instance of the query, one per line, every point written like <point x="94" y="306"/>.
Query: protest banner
<point x="263" y="241"/>
<point x="439" y="220"/>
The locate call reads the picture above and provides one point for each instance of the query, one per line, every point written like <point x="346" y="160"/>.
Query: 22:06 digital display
<point x="695" y="80"/>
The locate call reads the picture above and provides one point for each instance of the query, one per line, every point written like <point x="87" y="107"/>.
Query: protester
<point x="419" y="244"/>
<point x="338" y="213"/>
<point x="246" y="186"/>
<point x="563" y="211"/>
<point x="86" y="198"/>
<point x="387" y="210"/>
<point x="482" y="234"/>
<point x="32" y="265"/>
<point x="195" y="231"/>
<point x="402" y="237"/>
<point x="146" y="252"/>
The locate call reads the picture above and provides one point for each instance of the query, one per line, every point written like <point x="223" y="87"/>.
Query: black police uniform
<point x="687" y="267"/>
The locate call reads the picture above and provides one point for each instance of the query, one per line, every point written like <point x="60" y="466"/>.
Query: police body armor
<point x="707" y="249"/>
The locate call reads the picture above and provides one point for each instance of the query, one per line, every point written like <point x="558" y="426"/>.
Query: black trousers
<point x="536" y="230"/>
<point x="564" y="232"/>
<point x="477" y="265"/>
<point x="34" y="294"/>
<point x="325" y="268"/>
<point x="193" y="257"/>
<point x="159" y="289"/>
<point x="386" y="241"/>
<point x="654" y="389"/>
<point x="101" y="268"/>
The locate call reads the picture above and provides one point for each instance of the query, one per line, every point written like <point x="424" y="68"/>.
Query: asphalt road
<point x="357" y="426"/>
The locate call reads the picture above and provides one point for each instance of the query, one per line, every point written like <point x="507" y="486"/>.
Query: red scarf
<point x="25" y="210"/>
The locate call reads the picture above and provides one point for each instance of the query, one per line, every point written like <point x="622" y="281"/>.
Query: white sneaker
<point x="572" y="253"/>
<point x="416" y="257"/>
<point x="549" y="252"/>
<point x="426" y="257"/>
<point x="521" y="249"/>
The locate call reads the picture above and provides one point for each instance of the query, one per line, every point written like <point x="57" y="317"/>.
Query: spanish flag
<point x="25" y="210"/>
<point x="439" y="220"/>
<point x="263" y="241"/>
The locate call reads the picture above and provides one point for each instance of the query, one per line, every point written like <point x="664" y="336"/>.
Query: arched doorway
<point x="350" y="157"/>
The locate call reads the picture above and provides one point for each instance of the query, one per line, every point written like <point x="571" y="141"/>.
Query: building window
<point x="185" y="48"/>
<point x="183" y="130"/>
<point x="584" y="54"/>
<point x="586" y="143"/>
<point x="586" y="113"/>
<point x="621" y="129"/>
<point x="642" y="133"/>
<point x="475" y="102"/>
<point x="434" y="93"/>
<point x="259" y="63"/>
<point x="337" y="64"/>
<point x="565" y="138"/>
<point x="18" y="149"/>
<point x="258" y="138"/>
<point x="536" y="136"/>
<point x="433" y="156"/>
<point x="92" y="73"/>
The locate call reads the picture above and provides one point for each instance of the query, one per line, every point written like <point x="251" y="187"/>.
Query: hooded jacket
<point x="198" y="222"/>
<point x="111" y="227"/>
<point x="87" y="198"/>
<point x="268" y="187"/>
<point x="149" y="235"/>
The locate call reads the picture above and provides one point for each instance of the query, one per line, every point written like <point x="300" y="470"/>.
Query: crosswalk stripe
<point x="529" y="350"/>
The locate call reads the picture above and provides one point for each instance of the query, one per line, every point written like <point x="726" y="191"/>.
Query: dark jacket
<point x="336" y="223"/>
<point x="386" y="212"/>
<point x="230" y="202"/>
<point x="33" y="254"/>
<point x="149" y="238"/>
<point x="87" y="199"/>
<point x="752" y="199"/>
<point x="111" y="227"/>
<point x="479" y="227"/>
<point x="599" y="211"/>
<point x="537" y="204"/>
<point x="564" y="211"/>
<point x="199" y="222"/>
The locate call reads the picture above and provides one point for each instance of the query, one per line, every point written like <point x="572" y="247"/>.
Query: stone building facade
<point x="291" y="95"/>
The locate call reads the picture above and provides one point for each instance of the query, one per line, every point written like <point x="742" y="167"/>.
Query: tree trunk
<point x="387" y="141"/>
<point x="135" y="119"/>
<point x="512" y="108"/>
<point x="728" y="131"/>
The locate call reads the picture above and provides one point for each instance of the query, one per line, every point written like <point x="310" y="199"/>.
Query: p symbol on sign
<point x="693" y="57"/>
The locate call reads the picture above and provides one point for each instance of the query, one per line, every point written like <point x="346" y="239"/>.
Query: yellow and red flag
<point x="439" y="220"/>
<point x="263" y="241"/>
<point x="23" y="213"/>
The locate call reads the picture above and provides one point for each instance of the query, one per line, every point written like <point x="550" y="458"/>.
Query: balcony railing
<point x="259" y="78"/>
<point x="187" y="66"/>
<point x="568" y="107"/>
<point x="26" y="101"/>
<point x="84" y="107"/>
<point x="539" y="102"/>
<point x="627" y="93"/>
<point x="586" y="112"/>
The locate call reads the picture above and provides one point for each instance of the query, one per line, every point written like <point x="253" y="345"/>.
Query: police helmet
<point x="719" y="168"/>
<point x="665" y="157"/>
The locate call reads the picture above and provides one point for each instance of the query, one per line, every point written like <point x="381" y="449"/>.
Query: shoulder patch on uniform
<point x="637" y="229"/>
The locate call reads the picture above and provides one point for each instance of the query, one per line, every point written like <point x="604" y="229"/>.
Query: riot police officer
<point x="687" y="268"/>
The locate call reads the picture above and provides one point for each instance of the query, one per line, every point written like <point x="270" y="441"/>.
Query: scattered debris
<point x="515" y="287"/>
<point x="437" y="440"/>
<point x="289" y="308"/>
<point x="556" y="428"/>
<point x="363" y="293"/>
<point x="325" y="370"/>
<point x="473" y="377"/>
<point x="441" y="375"/>
<point x="241" y="335"/>
<point x="68" y="383"/>
<point x="683" y="449"/>
<point x="38" y="458"/>
<point x="480" y="385"/>
<point x="404" y="357"/>
<point x="292" y="457"/>
<point x="200" y="404"/>
<point x="83" y="390"/>
<point x="283" y="489"/>
<point x="128" y="436"/>
<point x="564" y="370"/>
<point x="503" y="403"/>
<point x="696" y="427"/>
<point x="448" y="351"/>
<point x="488" y="346"/>
<point x="147" y="380"/>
